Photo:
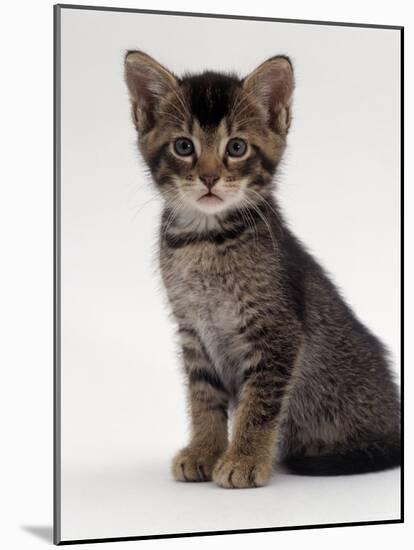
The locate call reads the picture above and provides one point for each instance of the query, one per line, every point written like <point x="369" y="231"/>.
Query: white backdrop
<point x="123" y="402"/>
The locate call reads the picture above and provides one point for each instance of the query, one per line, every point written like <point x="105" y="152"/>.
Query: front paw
<point x="235" y="471"/>
<point x="192" y="465"/>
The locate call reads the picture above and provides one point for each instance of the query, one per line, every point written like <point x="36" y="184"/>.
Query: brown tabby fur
<point x="263" y="330"/>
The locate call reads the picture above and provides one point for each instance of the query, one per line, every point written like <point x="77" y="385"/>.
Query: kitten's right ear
<point x="147" y="82"/>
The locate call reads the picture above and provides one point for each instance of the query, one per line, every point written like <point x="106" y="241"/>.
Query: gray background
<point x="123" y="412"/>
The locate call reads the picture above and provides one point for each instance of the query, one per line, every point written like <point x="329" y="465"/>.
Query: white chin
<point x="211" y="204"/>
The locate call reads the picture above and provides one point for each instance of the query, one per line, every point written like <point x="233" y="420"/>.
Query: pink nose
<point x="209" y="180"/>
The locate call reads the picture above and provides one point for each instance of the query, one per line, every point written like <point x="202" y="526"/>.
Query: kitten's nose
<point x="209" y="180"/>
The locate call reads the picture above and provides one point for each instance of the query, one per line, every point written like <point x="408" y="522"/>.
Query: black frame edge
<point x="229" y="16"/>
<point x="56" y="277"/>
<point x="232" y="532"/>
<point x="402" y="216"/>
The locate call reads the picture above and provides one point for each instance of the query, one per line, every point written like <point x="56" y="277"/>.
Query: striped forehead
<point x="210" y="97"/>
<point x="209" y="138"/>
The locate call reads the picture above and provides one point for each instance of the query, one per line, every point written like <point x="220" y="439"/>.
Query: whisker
<point x="242" y="100"/>
<point x="180" y="99"/>
<point x="265" y="221"/>
<point x="276" y="213"/>
<point x="171" y="117"/>
<point x="253" y="224"/>
<point x="143" y="205"/>
<point x="175" y="205"/>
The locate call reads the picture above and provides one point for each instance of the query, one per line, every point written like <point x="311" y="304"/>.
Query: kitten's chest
<point x="207" y="287"/>
<point x="209" y="292"/>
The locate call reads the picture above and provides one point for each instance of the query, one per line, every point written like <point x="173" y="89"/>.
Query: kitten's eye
<point x="184" y="147"/>
<point x="236" y="147"/>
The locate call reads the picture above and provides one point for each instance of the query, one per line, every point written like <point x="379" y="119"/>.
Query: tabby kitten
<point x="263" y="330"/>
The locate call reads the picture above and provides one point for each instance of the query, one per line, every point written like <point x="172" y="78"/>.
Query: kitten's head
<point x="212" y="141"/>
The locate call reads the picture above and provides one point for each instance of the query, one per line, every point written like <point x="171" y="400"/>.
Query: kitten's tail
<point x="372" y="457"/>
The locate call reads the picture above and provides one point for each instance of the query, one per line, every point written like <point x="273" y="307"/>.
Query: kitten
<point x="262" y="327"/>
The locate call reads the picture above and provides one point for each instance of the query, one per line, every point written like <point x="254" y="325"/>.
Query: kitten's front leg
<point x="248" y="461"/>
<point x="208" y="406"/>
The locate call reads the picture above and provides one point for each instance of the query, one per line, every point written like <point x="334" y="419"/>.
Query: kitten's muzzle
<point x="209" y="180"/>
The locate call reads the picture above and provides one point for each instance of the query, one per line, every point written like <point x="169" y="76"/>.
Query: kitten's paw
<point x="191" y="465"/>
<point x="241" y="472"/>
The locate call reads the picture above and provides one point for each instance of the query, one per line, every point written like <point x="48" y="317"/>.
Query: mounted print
<point x="227" y="274"/>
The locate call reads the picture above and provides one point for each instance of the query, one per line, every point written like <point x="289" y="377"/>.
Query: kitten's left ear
<point x="148" y="82"/>
<point x="271" y="85"/>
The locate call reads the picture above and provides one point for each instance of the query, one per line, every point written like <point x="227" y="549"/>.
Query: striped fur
<point x="264" y="332"/>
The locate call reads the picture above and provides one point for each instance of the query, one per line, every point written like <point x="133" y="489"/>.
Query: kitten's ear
<point x="147" y="82"/>
<point x="272" y="84"/>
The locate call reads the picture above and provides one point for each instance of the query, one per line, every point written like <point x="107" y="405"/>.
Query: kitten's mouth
<point x="209" y="198"/>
